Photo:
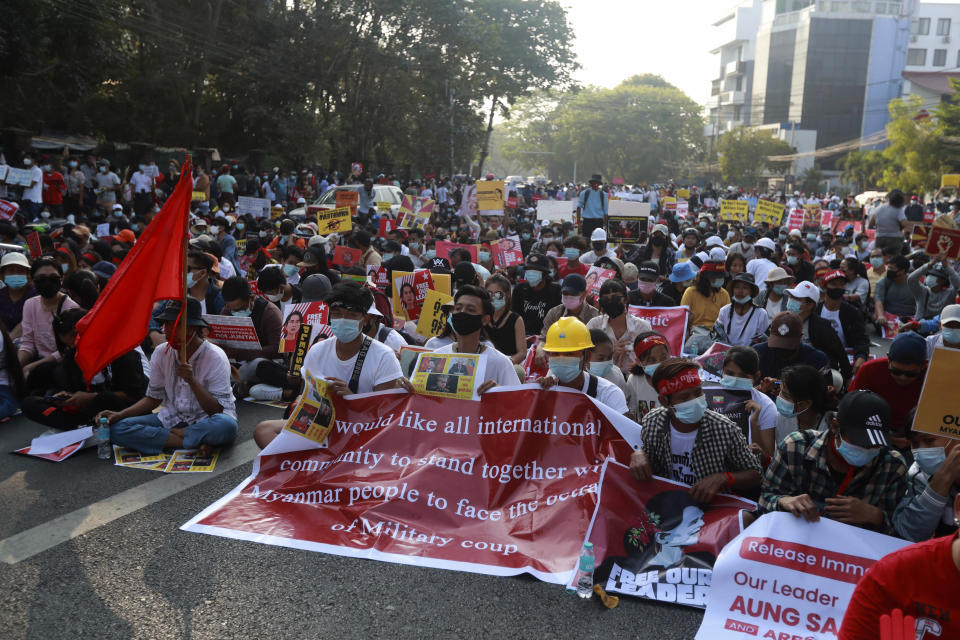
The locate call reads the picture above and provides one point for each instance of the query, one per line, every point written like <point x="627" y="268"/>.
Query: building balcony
<point x="734" y="68"/>
<point x="732" y="97"/>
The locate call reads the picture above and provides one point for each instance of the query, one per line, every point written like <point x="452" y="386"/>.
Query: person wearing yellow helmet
<point x="568" y="346"/>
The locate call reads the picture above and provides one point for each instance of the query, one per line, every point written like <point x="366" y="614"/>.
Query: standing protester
<point x="592" y="206"/>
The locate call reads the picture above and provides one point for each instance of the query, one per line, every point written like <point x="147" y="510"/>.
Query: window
<point x="861" y="6"/>
<point x="739" y="83"/>
<point x="916" y="57"/>
<point x="943" y="26"/>
<point x="939" y="57"/>
<point x="920" y="27"/>
<point x="839" y="6"/>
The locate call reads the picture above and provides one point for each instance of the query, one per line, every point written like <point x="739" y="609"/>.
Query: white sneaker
<point x="265" y="392"/>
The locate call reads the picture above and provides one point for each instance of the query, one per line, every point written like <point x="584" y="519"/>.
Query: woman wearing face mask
<point x="600" y="361"/>
<point x="802" y="403"/>
<point x="38" y="344"/>
<point x="620" y="326"/>
<point x="705" y="300"/>
<point x="773" y="298"/>
<point x="675" y="437"/>
<point x="658" y="250"/>
<point x="847" y="472"/>
<point x="573" y="248"/>
<point x="741" y="322"/>
<point x="741" y="371"/>
<point x="505" y="330"/>
<point x="650" y="348"/>
<point x="15" y="270"/>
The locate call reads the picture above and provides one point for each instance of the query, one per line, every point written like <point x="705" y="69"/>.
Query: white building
<point x="933" y="56"/>
<point x="733" y="50"/>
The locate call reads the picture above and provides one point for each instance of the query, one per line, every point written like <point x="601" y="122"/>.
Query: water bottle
<point x="104" y="450"/>
<point x="585" y="574"/>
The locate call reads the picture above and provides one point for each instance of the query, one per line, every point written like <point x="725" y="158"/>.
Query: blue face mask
<point x="571" y="253"/>
<point x="565" y="368"/>
<point x="811" y="237"/>
<point x="290" y="270"/>
<point x="949" y="335"/>
<point x="691" y="411"/>
<point x="929" y="459"/>
<point x="64" y="267"/>
<point x="792" y="259"/>
<point x="534" y="277"/>
<point x="733" y="382"/>
<point x="779" y="289"/>
<point x="498" y="303"/>
<point x="856" y="456"/>
<point x="600" y="368"/>
<point x="483" y="256"/>
<point x="345" y="329"/>
<point x="15" y="282"/>
<point x="240" y="226"/>
<point x="413" y="245"/>
<point x="525" y="235"/>
<point x="429" y="254"/>
<point x="785" y="408"/>
<point x="387" y="257"/>
<point x="242" y="313"/>
<point x="743" y="300"/>
<point x="876" y="263"/>
<point x="191" y="280"/>
<point x="794" y="305"/>
<point x="650" y="369"/>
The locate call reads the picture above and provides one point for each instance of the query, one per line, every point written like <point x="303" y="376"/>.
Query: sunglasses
<point x="894" y="371"/>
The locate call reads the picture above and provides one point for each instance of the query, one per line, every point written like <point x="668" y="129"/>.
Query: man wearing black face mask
<point x="784" y="347"/>
<point x="844" y="317"/>
<point x="620" y="326"/>
<point x="658" y="251"/>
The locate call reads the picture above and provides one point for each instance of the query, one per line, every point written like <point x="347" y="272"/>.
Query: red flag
<point x="153" y="270"/>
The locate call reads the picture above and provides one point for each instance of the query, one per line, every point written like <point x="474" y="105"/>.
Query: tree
<point x="914" y="160"/>
<point x="948" y="118"/>
<point x="744" y="153"/>
<point x="812" y="179"/>
<point x="863" y="168"/>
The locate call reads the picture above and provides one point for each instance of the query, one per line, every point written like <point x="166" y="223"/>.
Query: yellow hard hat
<point x="567" y="334"/>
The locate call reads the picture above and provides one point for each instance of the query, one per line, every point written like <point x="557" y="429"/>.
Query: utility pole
<point x="450" y="93"/>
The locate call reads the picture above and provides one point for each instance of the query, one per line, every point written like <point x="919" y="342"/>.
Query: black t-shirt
<point x="502" y="336"/>
<point x="658" y="300"/>
<point x="914" y="213"/>
<point x="533" y="305"/>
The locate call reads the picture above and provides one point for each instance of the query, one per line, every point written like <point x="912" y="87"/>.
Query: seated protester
<point x="83" y="287"/>
<point x="705" y="300"/>
<point x="68" y="402"/>
<point x="197" y="409"/>
<point x="686" y="442"/>
<point x="272" y="284"/>
<point x="741" y="370"/>
<point x="598" y="247"/>
<point x="573" y="302"/>
<point x="741" y="322"/>
<point x="201" y="277"/>
<point x="785" y="347"/>
<point x="796" y="259"/>
<point x="773" y="299"/>
<point x="621" y="327"/>
<point x="381" y="332"/>
<point x="898" y="378"/>
<point x="848" y="473"/>
<point x="949" y="335"/>
<point x="267" y="321"/>
<point x="469" y="318"/>
<point x="650" y="348"/>
<point x="802" y="402"/>
<point x="351" y="363"/>
<point x="927" y="508"/>
<point x="762" y="264"/>
<point x="682" y="276"/>
<point x="658" y="250"/>
<point x="568" y="347"/>
<point x="646" y="294"/>
<point x="934" y="286"/>
<point x="892" y="293"/>
<point x="533" y="298"/>
<point x="601" y="360"/>
<point x="506" y="330"/>
<point x="11" y="376"/>
<point x="920" y="580"/>
<point x="819" y="332"/>
<point x="15" y="269"/>
<point x="291" y="258"/>
<point x="38" y="344"/>
<point x="857" y="288"/>
<point x="846" y="320"/>
<point x="574" y="247"/>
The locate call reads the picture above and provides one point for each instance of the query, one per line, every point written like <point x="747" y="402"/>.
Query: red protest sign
<point x="795" y="219"/>
<point x="33" y="241"/>
<point x="670" y="321"/>
<point x="595" y="279"/>
<point x="348" y="198"/>
<point x="507" y="252"/>
<point x="444" y="248"/>
<point x="345" y="256"/>
<point x="8" y="210"/>
<point x="929" y="216"/>
<point x="944" y="241"/>
<point x="386" y="226"/>
<point x="409" y="292"/>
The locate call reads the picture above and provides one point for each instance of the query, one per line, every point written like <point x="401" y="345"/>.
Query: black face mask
<point x="657" y="241"/>
<point x="47" y="286"/>
<point x="835" y="294"/>
<point x="612" y="307"/>
<point x="598" y="247"/>
<point x="466" y="323"/>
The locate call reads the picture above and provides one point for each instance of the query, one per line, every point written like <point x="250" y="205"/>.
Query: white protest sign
<point x="55" y="442"/>
<point x="256" y="207"/>
<point x="232" y="331"/>
<point x="629" y="208"/>
<point x="784" y="577"/>
<point x="561" y="210"/>
<point x="626" y="195"/>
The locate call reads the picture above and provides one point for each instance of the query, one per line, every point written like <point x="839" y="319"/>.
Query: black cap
<point x="596" y="178"/>
<point x="749" y="279"/>
<point x="194" y="313"/>
<point x="573" y="284"/>
<point x="464" y="273"/>
<point x="439" y="265"/>
<point x="648" y="269"/>
<point x="864" y="419"/>
<point x="361" y="237"/>
<point x="537" y="261"/>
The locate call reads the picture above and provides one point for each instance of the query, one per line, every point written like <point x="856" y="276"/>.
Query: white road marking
<point x="29" y="543"/>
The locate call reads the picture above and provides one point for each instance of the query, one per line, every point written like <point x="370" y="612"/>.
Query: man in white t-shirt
<point x="32" y="197"/>
<point x="107" y="185"/>
<point x="760" y="266"/>
<point x="568" y="347"/>
<point x="350" y="363"/>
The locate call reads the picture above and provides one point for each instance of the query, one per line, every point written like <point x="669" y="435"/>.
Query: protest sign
<point x="731" y="403"/>
<point x="301" y="342"/>
<point x="313" y="415"/>
<point x="653" y="540"/>
<point x="432" y="316"/>
<point x="346" y="257"/>
<point x="53" y="442"/>
<point x="596" y="276"/>
<point x="386" y="226"/>
<point x="920" y="236"/>
<point x="332" y="220"/>
<point x="54" y="456"/>
<point x="348" y="198"/>
<point x="500" y="486"/>
<point x="711" y="362"/>
<point x="683" y="208"/>
<point x="102" y="230"/>
<point x="670" y="321"/>
<point x="443" y="249"/>
<point x="769" y="212"/>
<point x="669" y="203"/>
<point x="384" y="207"/>
<point x="787" y="578"/>
<point x="232" y="331"/>
<point x="559" y="210"/>
<point x="734" y="210"/>
<point x="950" y="180"/>
<point x="33" y="242"/>
<point x="8" y="209"/>
<point x="313" y="314"/>
<point x="683" y="193"/>
<point x="945" y="241"/>
<point x="826" y="217"/>
<point x="627" y="221"/>
<point x="379" y="276"/>
<point x="408" y="358"/>
<point x="937" y="411"/>
<point x="811" y="216"/>
<point x="415" y="212"/>
<point x="356" y="168"/>
<point x="795" y="219"/>
<point x="507" y="252"/>
<point x="448" y="375"/>
<point x="256" y="207"/>
<point x="531" y="369"/>
<point x="198" y="196"/>
<point x="929" y="216"/>
<point x="490" y="195"/>
<point x="190" y="461"/>
<point x="409" y="291"/>
<point x="19" y="177"/>
<point x="892" y="328"/>
<point x="123" y="457"/>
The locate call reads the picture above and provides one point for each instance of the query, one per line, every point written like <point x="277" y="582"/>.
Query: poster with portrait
<point x="448" y="375"/>
<point x="628" y="221"/>
<point x="653" y="540"/>
<point x="596" y="276"/>
<point x="409" y="292"/>
<point x="314" y="414"/>
<point x="315" y="314"/>
<point x="415" y="212"/>
<point x="507" y="252"/>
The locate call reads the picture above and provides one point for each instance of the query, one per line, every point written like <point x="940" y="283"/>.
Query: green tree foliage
<point x="864" y="169"/>
<point x="948" y="117"/>
<point x="390" y="83"/>
<point x="744" y="152"/>
<point x="640" y="130"/>
<point x="913" y="159"/>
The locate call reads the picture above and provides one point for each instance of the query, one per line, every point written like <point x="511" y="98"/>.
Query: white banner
<point x="626" y="195"/>
<point x="784" y="577"/>
<point x="561" y="210"/>
<point x="256" y="207"/>
<point x="629" y="208"/>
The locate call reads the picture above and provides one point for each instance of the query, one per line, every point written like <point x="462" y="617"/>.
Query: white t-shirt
<point x="768" y="411"/>
<point x="773" y="308"/>
<point x="142" y="183"/>
<point x="497" y="367"/>
<point x="607" y="393"/>
<point x="641" y="397"/>
<point x="393" y="339"/>
<point x="109" y="180"/>
<point x="34" y="193"/>
<point x="741" y="330"/>
<point x="592" y="256"/>
<point x="380" y="365"/>
<point x="760" y="267"/>
<point x="681" y="455"/>
<point x="834" y="318"/>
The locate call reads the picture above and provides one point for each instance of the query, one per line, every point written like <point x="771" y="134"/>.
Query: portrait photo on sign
<point x="432" y="365"/>
<point x="629" y="230"/>
<point x="306" y="415"/>
<point x="442" y="383"/>
<point x="460" y="367"/>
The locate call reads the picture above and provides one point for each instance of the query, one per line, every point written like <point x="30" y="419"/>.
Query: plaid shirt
<point x="719" y="446"/>
<point x="800" y="466"/>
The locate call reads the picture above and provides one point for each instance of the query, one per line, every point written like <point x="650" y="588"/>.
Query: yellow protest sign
<point x="669" y="203"/>
<point x="199" y="195"/>
<point x="313" y="416"/>
<point x="950" y="180"/>
<point x="383" y="206"/>
<point x="734" y="210"/>
<point x="769" y="212"/>
<point x="432" y="316"/>
<point x="490" y="195"/>
<point x="446" y="375"/>
<point x="937" y="411"/>
<point x="332" y="220"/>
<point x="683" y="193"/>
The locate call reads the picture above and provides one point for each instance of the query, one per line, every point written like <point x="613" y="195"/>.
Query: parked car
<point x="381" y="193"/>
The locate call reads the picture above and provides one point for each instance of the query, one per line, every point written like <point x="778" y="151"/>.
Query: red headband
<point x="649" y="343"/>
<point x="689" y="378"/>
<point x="713" y="266"/>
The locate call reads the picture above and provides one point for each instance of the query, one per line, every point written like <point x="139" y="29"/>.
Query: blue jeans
<point x="148" y="435"/>
<point x="8" y="402"/>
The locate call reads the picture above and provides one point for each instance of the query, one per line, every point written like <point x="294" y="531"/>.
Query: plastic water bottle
<point x="104" y="450"/>
<point x="585" y="574"/>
